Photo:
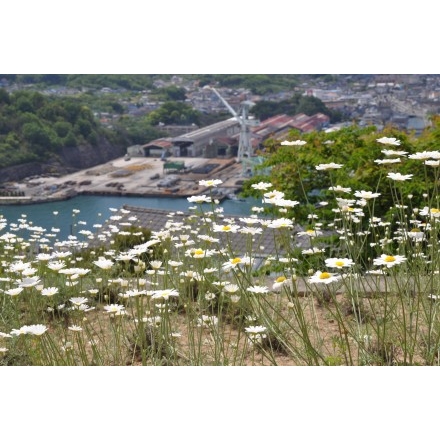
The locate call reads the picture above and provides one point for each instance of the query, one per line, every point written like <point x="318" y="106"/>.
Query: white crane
<point x="244" y="143"/>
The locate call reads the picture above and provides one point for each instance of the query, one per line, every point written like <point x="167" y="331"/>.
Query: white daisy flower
<point x="255" y="329"/>
<point x="78" y="301"/>
<point x="340" y="188"/>
<point x="292" y="143"/>
<point x="310" y="233"/>
<point x="34" y="329"/>
<point x="258" y="289"/>
<point x="425" y="155"/>
<point x="339" y="263"/>
<point x="432" y="163"/>
<point x="324" y="278"/>
<point x="328" y="166"/>
<point x="280" y="223"/>
<point x="394" y="152"/>
<point x="116" y="309"/>
<point x="432" y="212"/>
<point x="49" y="291"/>
<point x="14" y="292"/>
<point x="398" y="176"/>
<point x="261" y="185"/>
<point x="387" y="161"/>
<point x="199" y="199"/>
<point x="103" y="263"/>
<point x="388" y="141"/>
<point x="367" y="195"/>
<point x="210" y="183"/>
<point x="389" y="260"/>
<point x="29" y="282"/>
<point x="285" y="203"/>
<point x="75" y="328"/>
<point x="237" y="261"/>
<point x="231" y="288"/>
<point x="312" y="251"/>
<point x="164" y="294"/>
<point x="281" y="282"/>
<point x="225" y="228"/>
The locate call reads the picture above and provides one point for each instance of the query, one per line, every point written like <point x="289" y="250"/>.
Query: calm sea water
<point x="96" y="209"/>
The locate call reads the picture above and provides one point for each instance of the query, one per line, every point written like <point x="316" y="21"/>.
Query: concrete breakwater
<point x="139" y="176"/>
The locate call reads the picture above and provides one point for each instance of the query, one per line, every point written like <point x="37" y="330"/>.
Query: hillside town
<point x="405" y="100"/>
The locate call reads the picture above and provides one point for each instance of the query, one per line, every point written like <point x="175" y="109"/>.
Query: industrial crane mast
<point x="244" y="143"/>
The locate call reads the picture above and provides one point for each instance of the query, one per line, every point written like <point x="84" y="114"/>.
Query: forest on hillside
<point x="36" y="124"/>
<point x="35" y="127"/>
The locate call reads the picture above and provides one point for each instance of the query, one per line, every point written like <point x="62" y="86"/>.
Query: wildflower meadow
<point x="356" y="287"/>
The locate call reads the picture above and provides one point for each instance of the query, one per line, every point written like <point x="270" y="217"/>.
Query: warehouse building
<point x="204" y="141"/>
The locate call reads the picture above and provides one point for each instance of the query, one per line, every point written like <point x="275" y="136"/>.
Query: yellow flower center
<point x="236" y="260"/>
<point x="280" y="279"/>
<point x="389" y="259"/>
<point x="226" y="228"/>
<point x="310" y="231"/>
<point x="339" y="263"/>
<point x="199" y="252"/>
<point x="324" y="275"/>
<point x="435" y="210"/>
<point x="415" y="230"/>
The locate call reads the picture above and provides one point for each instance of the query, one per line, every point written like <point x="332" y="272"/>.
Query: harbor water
<point x="82" y="212"/>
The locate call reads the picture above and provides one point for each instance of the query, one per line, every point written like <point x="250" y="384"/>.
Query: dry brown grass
<point x="330" y="325"/>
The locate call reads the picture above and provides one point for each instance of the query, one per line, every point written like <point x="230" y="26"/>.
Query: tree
<point x="62" y="128"/>
<point x="70" y="140"/>
<point x="174" y="113"/>
<point x="24" y="104"/>
<point x="52" y="111"/>
<point x="293" y="168"/>
<point x="83" y="127"/>
<point x="292" y="106"/>
<point x="174" y="93"/>
<point x="311" y="105"/>
<point x="117" y="107"/>
<point x="137" y="130"/>
<point x="38" y="137"/>
<point x="4" y="96"/>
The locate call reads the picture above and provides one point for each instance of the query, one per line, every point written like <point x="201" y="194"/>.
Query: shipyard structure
<point x="222" y="139"/>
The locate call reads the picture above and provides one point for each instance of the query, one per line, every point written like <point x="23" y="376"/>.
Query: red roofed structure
<point x="279" y="126"/>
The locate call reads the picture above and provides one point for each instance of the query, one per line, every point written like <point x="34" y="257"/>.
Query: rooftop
<point x="206" y="131"/>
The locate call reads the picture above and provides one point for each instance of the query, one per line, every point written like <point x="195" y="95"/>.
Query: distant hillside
<point x="129" y="82"/>
<point x="44" y="133"/>
<point x="259" y="84"/>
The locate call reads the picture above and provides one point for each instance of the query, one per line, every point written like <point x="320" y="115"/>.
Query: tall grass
<point x="358" y="290"/>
